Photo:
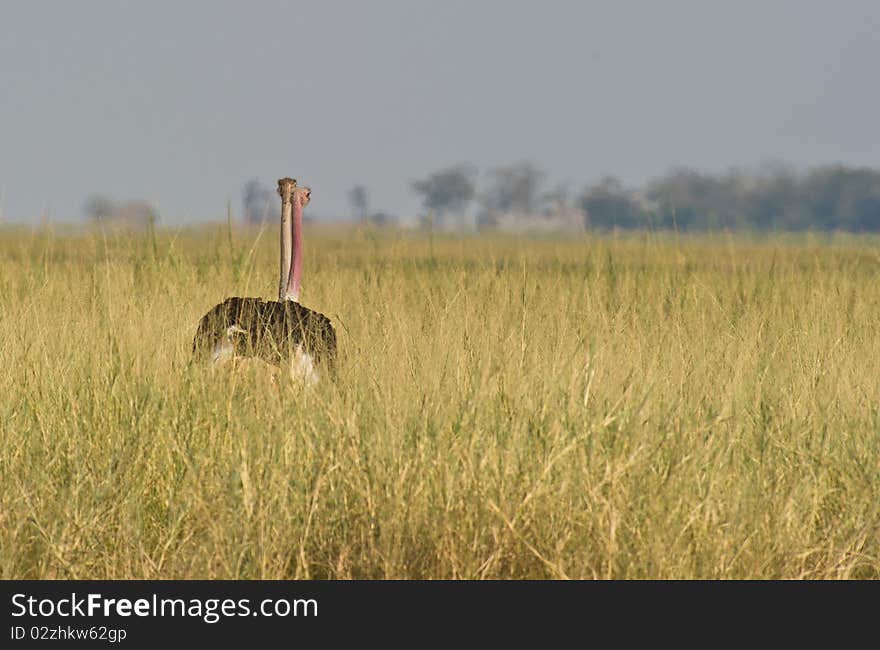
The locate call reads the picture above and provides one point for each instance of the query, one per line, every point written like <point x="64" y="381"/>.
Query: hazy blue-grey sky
<point x="179" y="103"/>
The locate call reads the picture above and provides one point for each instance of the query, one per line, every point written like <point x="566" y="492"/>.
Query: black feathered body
<point x="271" y="330"/>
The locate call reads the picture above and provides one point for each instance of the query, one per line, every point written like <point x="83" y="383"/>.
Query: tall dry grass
<point x="641" y="407"/>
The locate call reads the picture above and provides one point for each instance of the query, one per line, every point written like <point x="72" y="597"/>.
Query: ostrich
<point x="273" y="331"/>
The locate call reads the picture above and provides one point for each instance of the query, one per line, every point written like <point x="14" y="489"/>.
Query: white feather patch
<point x="303" y="367"/>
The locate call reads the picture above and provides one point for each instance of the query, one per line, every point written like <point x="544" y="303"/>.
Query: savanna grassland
<point x="641" y="406"/>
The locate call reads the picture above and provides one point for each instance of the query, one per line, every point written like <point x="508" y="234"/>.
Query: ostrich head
<point x="293" y="200"/>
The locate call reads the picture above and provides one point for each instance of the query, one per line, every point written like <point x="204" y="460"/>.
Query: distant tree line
<point x="826" y="198"/>
<point x="834" y="197"/>
<point x="773" y="198"/>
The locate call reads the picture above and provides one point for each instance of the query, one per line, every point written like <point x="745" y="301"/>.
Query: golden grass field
<point x="640" y="406"/>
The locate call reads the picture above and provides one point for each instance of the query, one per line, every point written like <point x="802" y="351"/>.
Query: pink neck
<point x="295" y="279"/>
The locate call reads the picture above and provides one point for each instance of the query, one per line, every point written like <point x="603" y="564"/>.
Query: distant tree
<point x="609" y="204"/>
<point x="688" y="199"/>
<point x="257" y="201"/>
<point x="774" y="200"/>
<point x="359" y="200"/>
<point x="515" y="188"/>
<point x="844" y="198"/>
<point x="99" y="207"/>
<point x="448" y="190"/>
